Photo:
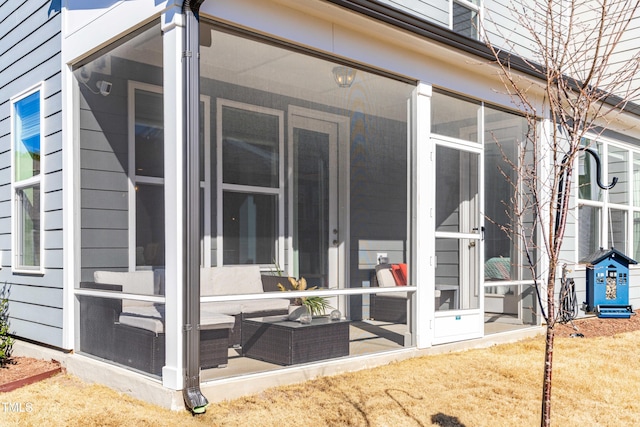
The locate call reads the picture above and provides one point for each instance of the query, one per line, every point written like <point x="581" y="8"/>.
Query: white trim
<point x="239" y="188"/>
<point x="206" y="184"/>
<point x="120" y="295"/>
<point x="424" y="221"/>
<point x="34" y="180"/>
<point x="70" y="207"/>
<point x="174" y="125"/>
<point x="298" y="294"/>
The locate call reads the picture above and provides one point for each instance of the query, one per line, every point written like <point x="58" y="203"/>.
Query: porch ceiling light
<point x="344" y="76"/>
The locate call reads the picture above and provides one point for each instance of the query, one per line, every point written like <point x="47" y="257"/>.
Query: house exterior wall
<point x="30" y="55"/>
<point x="436" y="11"/>
<point x="316" y="25"/>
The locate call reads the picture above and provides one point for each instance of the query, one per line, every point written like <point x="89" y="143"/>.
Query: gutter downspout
<point x="193" y="397"/>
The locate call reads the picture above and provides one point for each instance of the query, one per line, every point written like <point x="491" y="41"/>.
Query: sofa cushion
<point x="385" y="278"/>
<point x="212" y="320"/>
<point x="254" y="306"/>
<point x="230" y="280"/>
<point x="144" y="282"/>
<point x="152" y="319"/>
<point x="230" y="308"/>
<point x="149" y="318"/>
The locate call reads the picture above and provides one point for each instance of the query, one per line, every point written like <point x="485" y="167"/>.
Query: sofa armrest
<point x="100" y="286"/>
<point x="270" y="283"/>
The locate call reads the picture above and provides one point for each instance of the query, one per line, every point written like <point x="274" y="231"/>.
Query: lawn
<point x="596" y="383"/>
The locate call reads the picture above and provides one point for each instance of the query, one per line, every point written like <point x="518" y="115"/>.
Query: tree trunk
<point x="546" y="385"/>
<point x="545" y="420"/>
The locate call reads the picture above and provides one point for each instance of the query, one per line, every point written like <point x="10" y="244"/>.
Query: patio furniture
<point x="387" y="307"/>
<point x="140" y="340"/>
<point x="132" y="332"/>
<point x="277" y="340"/>
<point x="239" y="280"/>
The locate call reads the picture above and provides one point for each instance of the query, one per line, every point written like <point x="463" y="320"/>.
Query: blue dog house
<point x="608" y="284"/>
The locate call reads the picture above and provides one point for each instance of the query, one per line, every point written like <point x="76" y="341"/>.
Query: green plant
<point x="6" y="341"/>
<point x="316" y="305"/>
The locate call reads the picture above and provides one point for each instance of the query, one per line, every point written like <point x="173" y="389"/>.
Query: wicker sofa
<point x="132" y="332"/>
<point x="241" y="280"/>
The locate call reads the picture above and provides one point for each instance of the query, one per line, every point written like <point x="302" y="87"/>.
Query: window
<point x="609" y="218"/>
<point x="250" y="183"/>
<point x="27" y="224"/>
<point x="146" y="165"/>
<point x="465" y="17"/>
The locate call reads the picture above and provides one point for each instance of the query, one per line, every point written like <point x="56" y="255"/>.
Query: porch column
<point x="173" y="82"/>
<point x="424" y="252"/>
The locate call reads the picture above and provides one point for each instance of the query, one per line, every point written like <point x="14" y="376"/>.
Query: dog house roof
<point x="602" y="254"/>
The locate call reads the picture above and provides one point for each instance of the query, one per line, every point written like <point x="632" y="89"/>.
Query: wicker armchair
<point x="387" y="307"/>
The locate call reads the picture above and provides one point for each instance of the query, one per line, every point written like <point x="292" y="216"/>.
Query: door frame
<point x="462" y="324"/>
<point x="343" y="191"/>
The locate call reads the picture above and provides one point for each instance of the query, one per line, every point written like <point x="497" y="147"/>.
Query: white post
<point x="173" y="34"/>
<point x="425" y="220"/>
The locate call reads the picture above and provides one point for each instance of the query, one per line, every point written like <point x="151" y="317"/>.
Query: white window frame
<point x="470" y="6"/>
<point x="605" y="205"/>
<point x="135" y="179"/>
<point x="279" y="250"/>
<point x="16" y="186"/>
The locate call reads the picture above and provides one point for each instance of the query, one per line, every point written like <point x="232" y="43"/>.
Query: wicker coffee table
<point x="284" y="342"/>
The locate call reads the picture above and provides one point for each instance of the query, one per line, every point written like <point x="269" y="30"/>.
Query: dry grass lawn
<point x="596" y="383"/>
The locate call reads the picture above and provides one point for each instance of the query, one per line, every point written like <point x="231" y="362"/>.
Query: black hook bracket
<point x="561" y="184"/>
<point x="596" y="157"/>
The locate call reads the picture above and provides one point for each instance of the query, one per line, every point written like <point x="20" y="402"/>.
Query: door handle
<point x="481" y="229"/>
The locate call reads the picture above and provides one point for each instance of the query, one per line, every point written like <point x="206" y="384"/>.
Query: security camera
<point x="104" y="87"/>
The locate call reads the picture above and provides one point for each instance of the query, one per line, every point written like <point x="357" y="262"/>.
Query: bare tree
<point x="566" y="65"/>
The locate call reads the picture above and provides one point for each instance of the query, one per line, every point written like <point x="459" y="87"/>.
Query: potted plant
<point x="314" y="305"/>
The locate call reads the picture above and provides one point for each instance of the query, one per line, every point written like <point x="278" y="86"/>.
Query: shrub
<point x="6" y="341"/>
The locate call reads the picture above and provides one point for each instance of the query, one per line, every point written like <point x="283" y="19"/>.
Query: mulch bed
<point x="21" y="371"/>
<point x="591" y="327"/>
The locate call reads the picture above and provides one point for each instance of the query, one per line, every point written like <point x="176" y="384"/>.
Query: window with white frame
<point x="465" y="17"/>
<point x="146" y="163"/>
<point x="250" y="184"/>
<point x="609" y="218"/>
<point x="146" y="170"/>
<point x="27" y="181"/>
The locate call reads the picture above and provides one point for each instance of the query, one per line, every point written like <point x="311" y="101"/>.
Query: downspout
<point x="193" y="397"/>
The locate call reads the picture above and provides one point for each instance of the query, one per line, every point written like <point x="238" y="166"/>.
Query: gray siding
<point x="104" y="168"/>
<point x="503" y="29"/>
<point x="30" y="44"/>
<point x="436" y="11"/>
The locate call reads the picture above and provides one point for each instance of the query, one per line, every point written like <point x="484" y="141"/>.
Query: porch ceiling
<point x="266" y="67"/>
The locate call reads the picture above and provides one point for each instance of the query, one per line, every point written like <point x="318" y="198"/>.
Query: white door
<point x="316" y="234"/>
<point x="458" y="243"/>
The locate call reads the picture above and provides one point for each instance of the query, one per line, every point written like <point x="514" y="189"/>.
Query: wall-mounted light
<point x="344" y="76"/>
<point x="104" y="87"/>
